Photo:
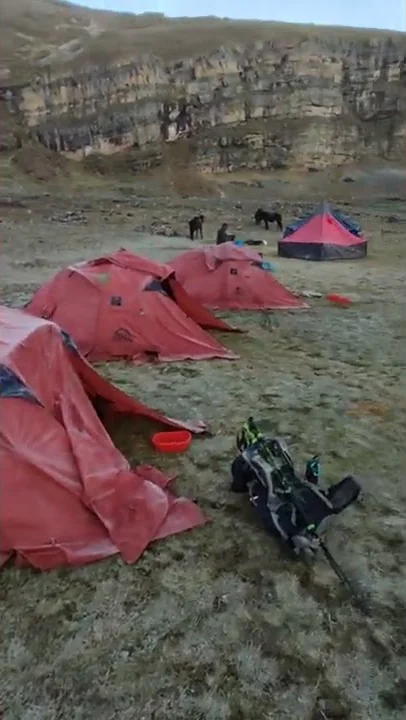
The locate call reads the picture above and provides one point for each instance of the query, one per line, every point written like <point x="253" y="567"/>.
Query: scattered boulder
<point x="158" y="228"/>
<point x="72" y="216"/>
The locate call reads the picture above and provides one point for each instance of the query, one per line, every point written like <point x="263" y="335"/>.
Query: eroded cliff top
<point x="41" y="35"/>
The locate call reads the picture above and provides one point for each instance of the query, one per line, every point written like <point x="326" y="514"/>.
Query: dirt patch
<point x="190" y="183"/>
<point x="172" y="169"/>
<point x="40" y="163"/>
<point x="179" y="173"/>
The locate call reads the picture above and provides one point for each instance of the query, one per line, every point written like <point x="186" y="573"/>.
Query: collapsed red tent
<point x="228" y="277"/>
<point x="126" y="306"/>
<point x="68" y="496"/>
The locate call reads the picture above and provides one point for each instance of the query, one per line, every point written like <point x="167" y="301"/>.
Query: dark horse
<point x="196" y="227"/>
<point x="268" y="217"/>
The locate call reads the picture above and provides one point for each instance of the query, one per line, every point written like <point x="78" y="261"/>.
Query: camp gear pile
<point x="295" y="510"/>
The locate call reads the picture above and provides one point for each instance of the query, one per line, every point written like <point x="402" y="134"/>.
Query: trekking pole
<point x="344" y="579"/>
<point x="358" y="600"/>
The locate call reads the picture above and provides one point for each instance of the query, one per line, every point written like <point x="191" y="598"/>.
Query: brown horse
<point x="196" y="227"/>
<point x="268" y="217"/>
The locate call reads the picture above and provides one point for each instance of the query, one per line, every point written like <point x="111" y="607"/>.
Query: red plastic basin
<point x="339" y="299"/>
<point x="176" y="441"/>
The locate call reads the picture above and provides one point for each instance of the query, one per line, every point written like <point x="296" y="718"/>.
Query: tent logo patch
<point x="116" y="300"/>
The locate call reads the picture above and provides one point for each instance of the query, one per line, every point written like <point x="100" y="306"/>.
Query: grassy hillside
<point x="38" y="35"/>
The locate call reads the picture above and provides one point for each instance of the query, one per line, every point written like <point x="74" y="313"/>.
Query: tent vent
<point x="157" y="286"/>
<point x="68" y="342"/>
<point x="11" y="386"/>
<point x="233" y="271"/>
<point x="116" y="300"/>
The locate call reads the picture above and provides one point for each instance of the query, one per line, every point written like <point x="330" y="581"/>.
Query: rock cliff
<point x="301" y="99"/>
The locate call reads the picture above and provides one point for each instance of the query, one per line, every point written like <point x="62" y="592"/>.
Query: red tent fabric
<point x="126" y="306"/>
<point x="322" y="237"/>
<point x="229" y="277"/>
<point x="68" y="496"/>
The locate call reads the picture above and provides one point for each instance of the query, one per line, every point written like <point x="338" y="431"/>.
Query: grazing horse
<point x="268" y="217"/>
<point x="196" y="227"/>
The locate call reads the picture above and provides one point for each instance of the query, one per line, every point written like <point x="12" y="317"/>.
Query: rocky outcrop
<point x="270" y="104"/>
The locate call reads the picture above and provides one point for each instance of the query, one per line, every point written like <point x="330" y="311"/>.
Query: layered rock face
<point x="309" y="103"/>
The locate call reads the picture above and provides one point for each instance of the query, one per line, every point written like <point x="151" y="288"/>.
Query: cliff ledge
<point x="250" y="95"/>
